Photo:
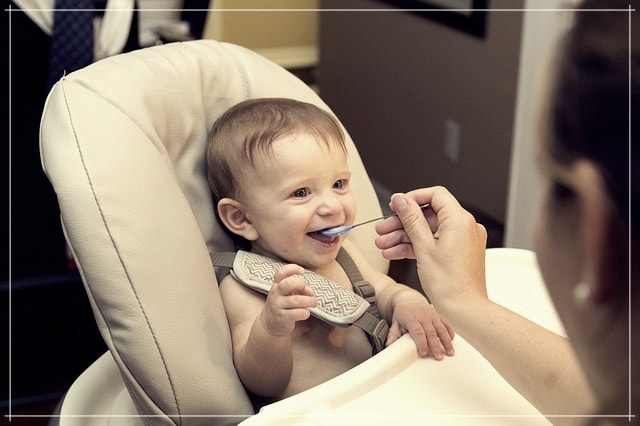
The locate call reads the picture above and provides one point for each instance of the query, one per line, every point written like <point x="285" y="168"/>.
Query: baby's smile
<point x="317" y="235"/>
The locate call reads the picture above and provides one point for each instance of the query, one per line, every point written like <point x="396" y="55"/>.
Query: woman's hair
<point x="589" y="110"/>
<point x="245" y="133"/>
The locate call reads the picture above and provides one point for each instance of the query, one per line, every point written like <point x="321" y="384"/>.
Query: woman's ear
<point x="597" y="217"/>
<point x="233" y="216"/>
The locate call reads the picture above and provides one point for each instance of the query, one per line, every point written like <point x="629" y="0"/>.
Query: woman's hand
<point x="447" y="243"/>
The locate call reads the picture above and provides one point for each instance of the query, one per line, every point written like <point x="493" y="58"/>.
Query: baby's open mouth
<point x="317" y="235"/>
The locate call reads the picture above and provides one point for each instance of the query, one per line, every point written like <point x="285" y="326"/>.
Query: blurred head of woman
<point x="586" y="234"/>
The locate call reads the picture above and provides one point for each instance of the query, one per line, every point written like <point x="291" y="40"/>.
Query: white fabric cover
<point x="122" y="142"/>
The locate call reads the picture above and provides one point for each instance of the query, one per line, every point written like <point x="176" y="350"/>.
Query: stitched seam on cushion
<point x="241" y="70"/>
<point x="95" y="197"/>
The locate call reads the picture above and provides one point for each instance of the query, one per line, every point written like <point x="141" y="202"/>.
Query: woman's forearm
<point x="540" y="364"/>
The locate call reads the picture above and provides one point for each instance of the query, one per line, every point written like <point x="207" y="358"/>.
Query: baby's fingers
<point x="439" y="337"/>
<point x="445" y="337"/>
<point x="394" y="333"/>
<point x="436" y="346"/>
<point x="287" y="271"/>
<point x="289" y="280"/>
<point x="417" y="333"/>
<point x="294" y="293"/>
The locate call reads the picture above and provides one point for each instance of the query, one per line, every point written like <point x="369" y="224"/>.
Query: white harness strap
<point x="336" y="305"/>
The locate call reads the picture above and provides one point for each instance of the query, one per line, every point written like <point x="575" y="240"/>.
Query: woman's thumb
<point x="413" y="221"/>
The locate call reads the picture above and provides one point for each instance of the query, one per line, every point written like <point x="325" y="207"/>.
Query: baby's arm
<point x="261" y="329"/>
<point x="407" y="311"/>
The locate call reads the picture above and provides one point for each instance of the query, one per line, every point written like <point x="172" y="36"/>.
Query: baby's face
<point x="302" y="188"/>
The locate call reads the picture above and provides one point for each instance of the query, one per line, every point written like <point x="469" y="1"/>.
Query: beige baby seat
<point x="122" y="142"/>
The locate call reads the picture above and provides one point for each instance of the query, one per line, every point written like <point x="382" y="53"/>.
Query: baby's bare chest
<point x="322" y="351"/>
<point x="318" y="339"/>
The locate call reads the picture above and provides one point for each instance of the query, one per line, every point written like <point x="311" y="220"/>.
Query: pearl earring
<point x="582" y="294"/>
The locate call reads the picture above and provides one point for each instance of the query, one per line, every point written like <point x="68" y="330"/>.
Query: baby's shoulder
<point x="235" y="294"/>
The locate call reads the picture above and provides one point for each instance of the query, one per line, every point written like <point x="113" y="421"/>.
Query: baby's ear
<point x="232" y="215"/>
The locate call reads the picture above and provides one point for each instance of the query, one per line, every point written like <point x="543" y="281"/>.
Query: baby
<point x="278" y="171"/>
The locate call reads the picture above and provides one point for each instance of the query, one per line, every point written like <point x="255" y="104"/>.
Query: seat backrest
<point x="122" y="142"/>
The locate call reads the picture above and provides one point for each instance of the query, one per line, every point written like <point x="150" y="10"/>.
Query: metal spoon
<point x="339" y="230"/>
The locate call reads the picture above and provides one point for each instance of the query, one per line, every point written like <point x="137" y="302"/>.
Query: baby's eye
<point x="341" y="183"/>
<point x="301" y="193"/>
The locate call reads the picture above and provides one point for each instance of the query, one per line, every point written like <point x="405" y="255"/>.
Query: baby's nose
<point x="330" y="205"/>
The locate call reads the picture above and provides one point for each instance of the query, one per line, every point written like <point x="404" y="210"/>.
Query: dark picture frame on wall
<point x="469" y="16"/>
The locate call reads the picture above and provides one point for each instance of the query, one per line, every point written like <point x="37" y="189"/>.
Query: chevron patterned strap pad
<point x="336" y="305"/>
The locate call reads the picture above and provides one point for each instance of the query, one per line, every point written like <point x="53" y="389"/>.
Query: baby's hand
<point x="287" y="302"/>
<point x="414" y="314"/>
